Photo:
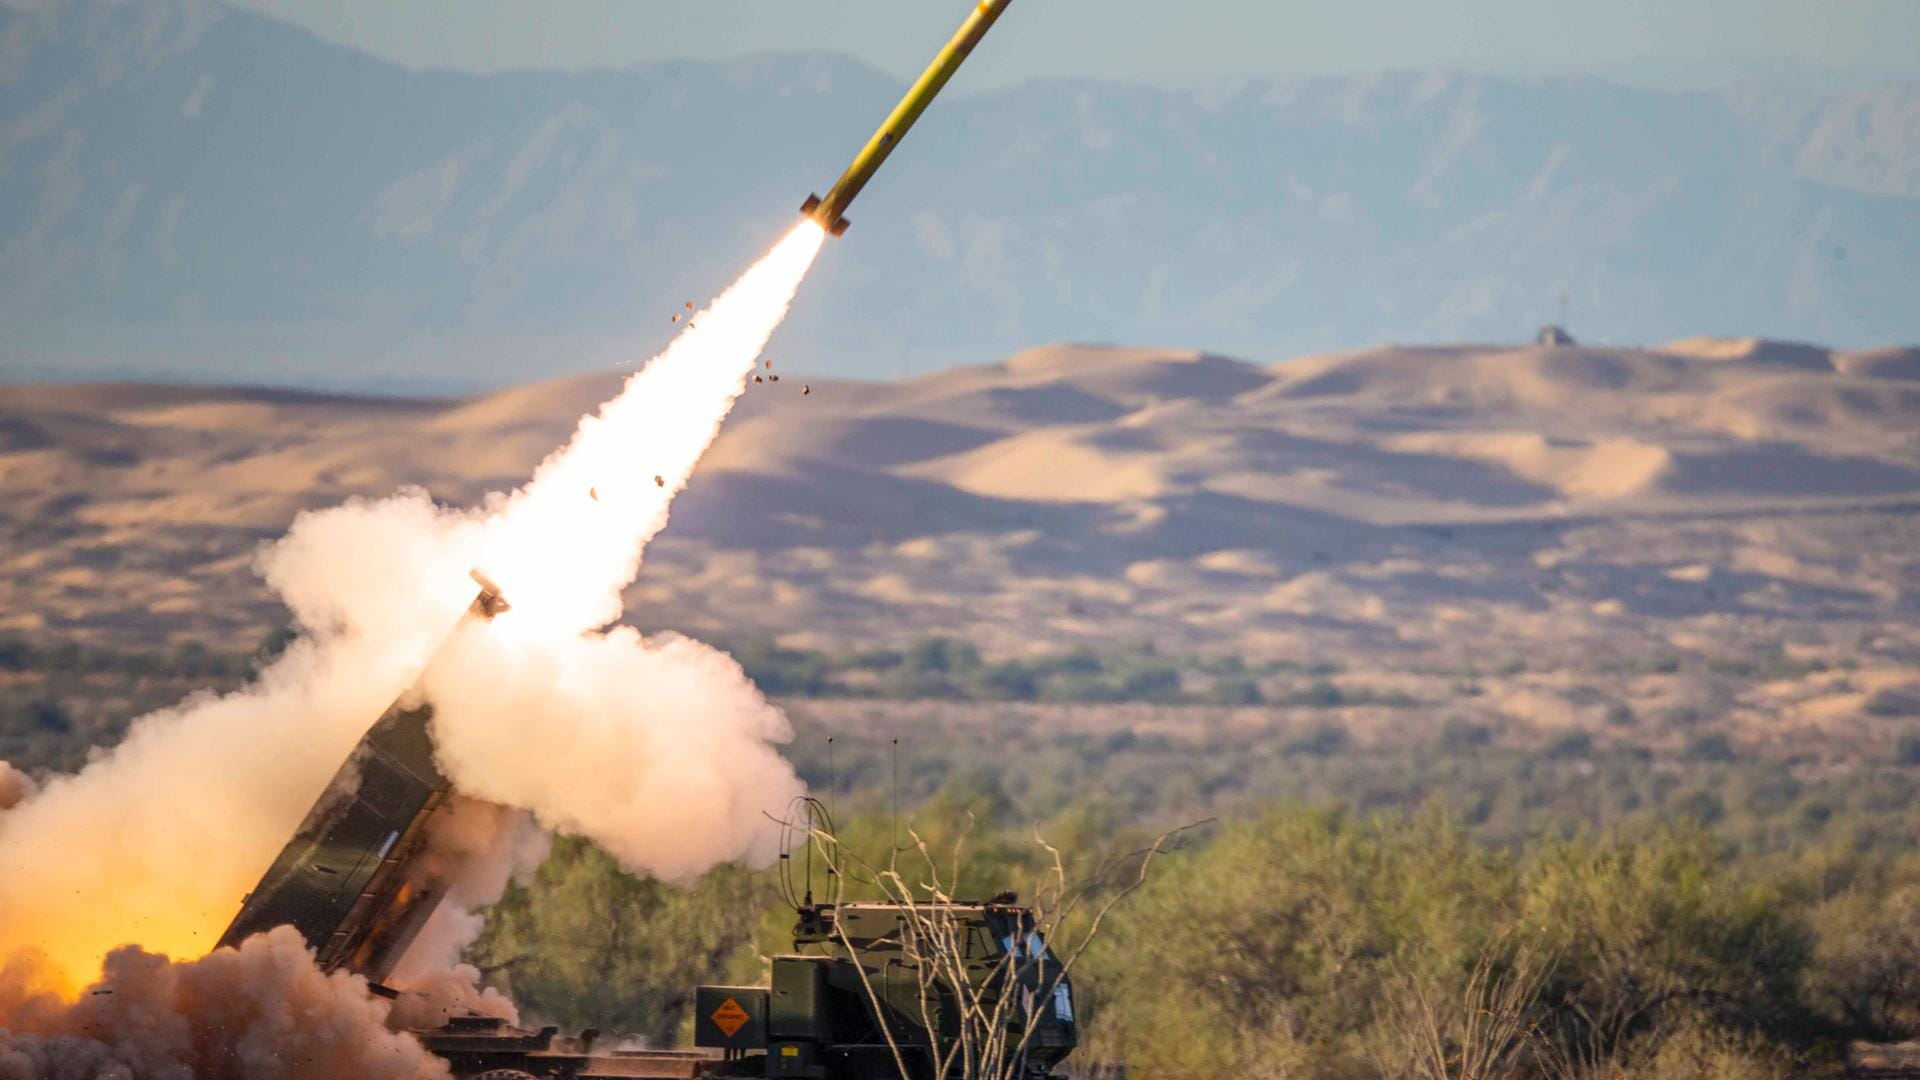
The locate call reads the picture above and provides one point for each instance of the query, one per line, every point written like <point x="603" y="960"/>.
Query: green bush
<point x="1150" y="681"/>
<point x="1275" y="940"/>
<point x="1458" y="735"/>
<point x="589" y="943"/>
<point x="778" y="670"/>
<point x="1234" y="691"/>
<point x="1656" y="934"/>
<point x="873" y="659"/>
<point x="1868" y="972"/>
<point x="1081" y="661"/>
<point x="906" y="681"/>
<point x="1080" y="688"/>
<point x="1891" y="701"/>
<point x="1906" y="749"/>
<point x="1701" y="805"/>
<point x="1006" y="681"/>
<point x="943" y="655"/>
<point x="15" y="654"/>
<point x="1321" y="740"/>
<point x="47" y="715"/>
<point x="1573" y="744"/>
<point x="1319" y="694"/>
<point x="1711" y="747"/>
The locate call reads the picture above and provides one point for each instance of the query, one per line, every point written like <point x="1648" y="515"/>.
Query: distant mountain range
<point x="192" y="190"/>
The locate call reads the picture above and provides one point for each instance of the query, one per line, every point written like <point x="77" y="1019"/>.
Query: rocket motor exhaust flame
<point x="662" y="752"/>
<point x="564" y="546"/>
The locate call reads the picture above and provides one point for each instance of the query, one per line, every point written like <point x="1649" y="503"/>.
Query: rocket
<point x="828" y="211"/>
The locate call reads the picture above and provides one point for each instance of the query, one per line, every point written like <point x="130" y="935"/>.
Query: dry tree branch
<point x="1472" y="1032"/>
<point x="994" y="1009"/>
<point x="829" y="853"/>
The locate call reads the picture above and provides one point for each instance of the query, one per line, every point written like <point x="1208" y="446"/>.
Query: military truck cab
<point x="853" y="980"/>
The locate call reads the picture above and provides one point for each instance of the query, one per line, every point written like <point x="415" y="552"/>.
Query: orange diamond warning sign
<point x="729" y="1016"/>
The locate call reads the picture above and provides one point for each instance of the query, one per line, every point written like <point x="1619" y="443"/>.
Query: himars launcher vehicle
<point x="355" y="881"/>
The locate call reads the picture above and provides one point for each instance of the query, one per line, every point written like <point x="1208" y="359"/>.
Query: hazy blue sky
<point x="1138" y="38"/>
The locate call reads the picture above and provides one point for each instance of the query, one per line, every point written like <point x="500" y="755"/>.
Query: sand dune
<point x="1792" y="355"/>
<point x="1436" y="504"/>
<point x="1606" y="469"/>
<point x="1892" y="363"/>
<point x="1050" y="466"/>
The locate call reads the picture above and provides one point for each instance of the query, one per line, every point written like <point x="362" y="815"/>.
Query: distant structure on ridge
<point x="1556" y="333"/>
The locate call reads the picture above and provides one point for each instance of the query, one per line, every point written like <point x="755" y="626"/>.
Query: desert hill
<point x="1429" y="504"/>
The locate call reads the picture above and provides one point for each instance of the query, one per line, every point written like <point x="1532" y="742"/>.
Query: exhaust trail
<point x="661" y="750"/>
<point x="596" y="500"/>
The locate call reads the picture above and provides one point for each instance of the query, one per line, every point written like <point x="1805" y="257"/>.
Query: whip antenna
<point x="804" y="821"/>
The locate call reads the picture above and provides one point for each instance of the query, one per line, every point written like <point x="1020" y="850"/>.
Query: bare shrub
<point x="986" y="1010"/>
<point x="1437" y="1023"/>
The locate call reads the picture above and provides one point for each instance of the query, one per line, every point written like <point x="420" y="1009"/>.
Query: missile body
<point x="828" y="211"/>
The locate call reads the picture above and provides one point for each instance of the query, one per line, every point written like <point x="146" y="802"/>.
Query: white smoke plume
<point x="157" y="839"/>
<point x="696" y="739"/>
<point x="474" y="848"/>
<point x="432" y="1000"/>
<point x="661" y="751"/>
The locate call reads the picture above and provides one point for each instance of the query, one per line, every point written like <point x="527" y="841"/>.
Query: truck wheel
<point x="504" y="1074"/>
